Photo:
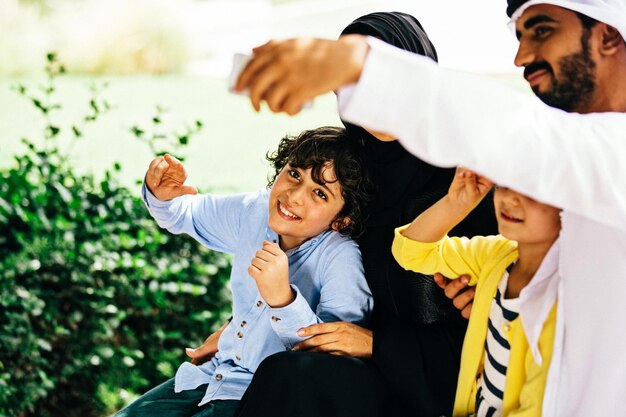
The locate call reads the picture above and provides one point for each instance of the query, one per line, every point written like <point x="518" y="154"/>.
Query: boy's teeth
<point x="286" y="212"/>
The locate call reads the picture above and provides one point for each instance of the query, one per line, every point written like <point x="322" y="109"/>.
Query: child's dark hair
<point x="315" y="149"/>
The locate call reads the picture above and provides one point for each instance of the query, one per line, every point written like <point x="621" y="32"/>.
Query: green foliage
<point x="96" y="302"/>
<point x="159" y="141"/>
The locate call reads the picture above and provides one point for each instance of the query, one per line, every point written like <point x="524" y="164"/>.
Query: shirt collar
<point x="272" y="236"/>
<point x="538" y="298"/>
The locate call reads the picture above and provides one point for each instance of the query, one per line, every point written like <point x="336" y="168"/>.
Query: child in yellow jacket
<point x="508" y="344"/>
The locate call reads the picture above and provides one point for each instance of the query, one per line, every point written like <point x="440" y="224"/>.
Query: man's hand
<point x="208" y="349"/>
<point x="339" y="338"/>
<point x="288" y="73"/>
<point x="457" y="290"/>
<point x="166" y="177"/>
<point x="270" y="270"/>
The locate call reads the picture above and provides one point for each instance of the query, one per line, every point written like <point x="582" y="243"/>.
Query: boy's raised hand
<point x="468" y="188"/>
<point x="270" y="270"/>
<point x="166" y="178"/>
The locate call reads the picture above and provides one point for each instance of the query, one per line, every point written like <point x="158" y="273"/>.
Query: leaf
<point x="53" y="130"/>
<point x="64" y="193"/>
<point x="37" y="103"/>
<point x="94" y="106"/>
<point x="137" y="131"/>
<point x="20" y="89"/>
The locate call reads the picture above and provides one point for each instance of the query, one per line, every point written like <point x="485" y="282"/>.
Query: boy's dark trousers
<point x="162" y="401"/>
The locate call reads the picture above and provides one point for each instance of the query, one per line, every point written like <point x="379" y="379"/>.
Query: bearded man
<point x="574" y="56"/>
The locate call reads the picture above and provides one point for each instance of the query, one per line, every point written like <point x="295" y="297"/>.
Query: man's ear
<point x="612" y="40"/>
<point x="340" y="222"/>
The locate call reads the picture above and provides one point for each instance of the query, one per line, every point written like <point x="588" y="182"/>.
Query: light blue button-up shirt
<point x="325" y="272"/>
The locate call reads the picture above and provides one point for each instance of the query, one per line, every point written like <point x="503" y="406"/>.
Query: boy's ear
<point x="340" y="222"/>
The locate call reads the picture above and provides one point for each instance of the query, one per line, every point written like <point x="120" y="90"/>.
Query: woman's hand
<point x="166" y="177"/>
<point x="208" y="349"/>
<point x="338" y="338"/>
<point x="457" y="290"/>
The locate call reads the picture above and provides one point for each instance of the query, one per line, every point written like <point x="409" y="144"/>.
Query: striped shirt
<point x="497" y="352"/>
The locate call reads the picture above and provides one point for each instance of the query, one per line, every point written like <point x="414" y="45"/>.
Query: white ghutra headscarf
<point x="611" y="12"/>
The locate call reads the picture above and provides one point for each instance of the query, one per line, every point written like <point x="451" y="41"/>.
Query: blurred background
<point x="177" y="54"/>
<point x="97" y="303"/>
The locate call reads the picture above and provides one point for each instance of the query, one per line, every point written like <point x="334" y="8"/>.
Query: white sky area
<point x="469" y="35"/>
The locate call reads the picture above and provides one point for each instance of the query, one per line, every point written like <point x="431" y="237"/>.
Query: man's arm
<point x="567" y="160"/>
<point x="571" y="161"/>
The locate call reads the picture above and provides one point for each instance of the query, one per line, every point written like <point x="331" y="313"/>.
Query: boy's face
<point x="300" y="208"/>
<point x="525" y="220"/>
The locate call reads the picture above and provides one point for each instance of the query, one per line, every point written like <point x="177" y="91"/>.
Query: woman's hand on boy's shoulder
<point x="337" y="338"/>
<point x="166" y="178"/>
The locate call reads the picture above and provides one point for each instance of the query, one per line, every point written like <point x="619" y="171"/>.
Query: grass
<point x="228" y="155"/>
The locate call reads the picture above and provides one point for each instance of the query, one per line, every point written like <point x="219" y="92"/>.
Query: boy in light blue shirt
<point x="294" y="264"/>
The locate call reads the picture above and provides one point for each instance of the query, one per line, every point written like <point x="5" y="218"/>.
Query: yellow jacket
<point x="484" y="259"/>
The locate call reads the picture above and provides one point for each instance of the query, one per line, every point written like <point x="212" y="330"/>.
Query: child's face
<point x="525" y="220"/>
<point x="300" y="208"/>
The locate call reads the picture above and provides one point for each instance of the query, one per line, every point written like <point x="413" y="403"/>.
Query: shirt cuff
<point x="287" y="320"/>
<point x="150" y="199"/>
<point x="404" y="249"/>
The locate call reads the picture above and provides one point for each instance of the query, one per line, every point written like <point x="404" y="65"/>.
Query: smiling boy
<point x="294" y="264"/>
<point x="510" y="337"/>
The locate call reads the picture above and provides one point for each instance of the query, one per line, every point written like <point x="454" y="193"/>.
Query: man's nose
<point x="525" y="54"/>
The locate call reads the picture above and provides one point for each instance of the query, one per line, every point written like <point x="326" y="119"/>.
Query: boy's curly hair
<point x="315" y="149"/>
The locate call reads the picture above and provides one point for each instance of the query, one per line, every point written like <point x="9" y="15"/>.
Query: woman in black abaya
<point x="407" y="363"/>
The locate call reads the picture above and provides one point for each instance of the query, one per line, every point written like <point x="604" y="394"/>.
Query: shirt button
<point x="506" y="327"/>
<point x="259" y="303"/>
<point x="275" y="319"/>
<point x="243" y="323"/>
<point x="238" y="357"/>
<point x="239" y="335"/>
<point x="219" y="377"/>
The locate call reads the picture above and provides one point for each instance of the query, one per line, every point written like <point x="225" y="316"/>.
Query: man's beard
<point x="577" y="80"/>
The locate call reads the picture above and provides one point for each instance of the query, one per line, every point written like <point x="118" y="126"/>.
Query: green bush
<point x="95" y="300"/>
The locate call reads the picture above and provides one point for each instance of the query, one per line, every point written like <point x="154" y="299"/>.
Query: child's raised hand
<point x="270" y="270"/>
<point x="468" y="188"/>
<point x="166" y="178"/>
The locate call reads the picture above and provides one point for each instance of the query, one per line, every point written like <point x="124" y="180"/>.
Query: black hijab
<point x="398" y="175"/>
